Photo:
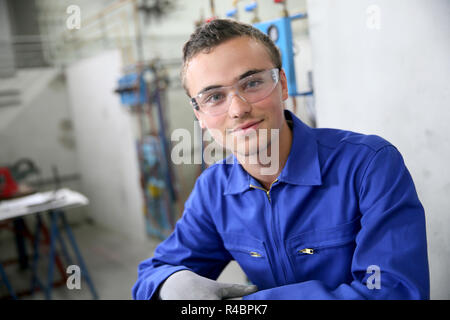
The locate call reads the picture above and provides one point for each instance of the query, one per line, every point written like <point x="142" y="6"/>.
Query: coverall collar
<point x="302" y="166"/>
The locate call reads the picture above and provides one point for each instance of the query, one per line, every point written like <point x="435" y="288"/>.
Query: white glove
<point x="187" y="285"/>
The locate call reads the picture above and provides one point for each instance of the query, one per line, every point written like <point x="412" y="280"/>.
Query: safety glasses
<point x="251" y="89"/>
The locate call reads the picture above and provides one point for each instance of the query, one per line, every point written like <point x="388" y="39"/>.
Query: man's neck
<point x="256" y="170"/>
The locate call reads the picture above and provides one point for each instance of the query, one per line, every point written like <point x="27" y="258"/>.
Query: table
<point x="53" y="202"/>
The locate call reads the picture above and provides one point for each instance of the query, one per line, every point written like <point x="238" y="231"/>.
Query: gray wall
<point x="7" y="63"/>
<point x="105" y="145"/>
<point x="23" y="16"/>
<point x="393" y="81"/>
<point x="39" y="128"/>
<point x="42" y="131"/>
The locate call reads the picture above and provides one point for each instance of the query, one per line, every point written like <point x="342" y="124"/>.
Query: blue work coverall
<point x="342" y="221"/>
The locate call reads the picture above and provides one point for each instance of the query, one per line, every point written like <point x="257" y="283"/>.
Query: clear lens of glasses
<point x="251" y="89"/>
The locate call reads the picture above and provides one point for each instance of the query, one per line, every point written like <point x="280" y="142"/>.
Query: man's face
<point x="223" y="66"/>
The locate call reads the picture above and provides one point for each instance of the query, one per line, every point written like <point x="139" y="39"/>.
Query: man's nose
<point x="238" y="106"/>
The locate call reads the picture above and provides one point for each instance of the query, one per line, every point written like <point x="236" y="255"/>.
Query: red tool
<point x="213" y="12"/>
<point x="8" y="187"/>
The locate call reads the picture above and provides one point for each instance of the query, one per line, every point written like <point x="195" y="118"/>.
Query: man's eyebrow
<point x="242" y="76"/>
<point x="249" y="73"/>
<point x="209" y="88"/>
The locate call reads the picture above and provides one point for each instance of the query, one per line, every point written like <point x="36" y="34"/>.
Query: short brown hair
<point x="216" y="32"/>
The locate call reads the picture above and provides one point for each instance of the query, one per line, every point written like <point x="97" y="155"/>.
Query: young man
<point x="336" y="217"/>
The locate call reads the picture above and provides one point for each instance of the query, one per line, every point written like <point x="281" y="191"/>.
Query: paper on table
<point x="24" y="201"/>
<point x="42" y="201"/>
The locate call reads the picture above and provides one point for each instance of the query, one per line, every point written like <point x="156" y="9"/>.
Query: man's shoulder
<point x="337" y="138"/>
<point x="209" y="185"/>
<point x="217" y="172"/>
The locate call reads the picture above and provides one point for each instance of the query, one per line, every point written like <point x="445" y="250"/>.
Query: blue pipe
<point x="6" y="282"/>
<point x="307" y="93"/>
<point x="299" y="16"/>
<point x="250" y="7"/>
<point x="53" y="231"/>
<point x="34" y="278"/>
<point x="231" y="12"/>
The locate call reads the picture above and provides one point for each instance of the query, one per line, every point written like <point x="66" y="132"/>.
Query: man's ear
<point x="284" y="86"/>
<point x="199" y="118"/>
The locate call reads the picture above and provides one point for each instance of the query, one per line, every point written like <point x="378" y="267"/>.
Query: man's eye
<point x="253" y="84"/>
<point x="214" y="98"/>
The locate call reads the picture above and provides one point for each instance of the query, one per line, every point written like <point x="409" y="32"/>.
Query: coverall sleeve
<point x="392" y="237"/>
<point x="194" y="245"/>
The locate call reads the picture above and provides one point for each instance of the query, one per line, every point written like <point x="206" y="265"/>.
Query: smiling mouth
<point x="251" y="126"/>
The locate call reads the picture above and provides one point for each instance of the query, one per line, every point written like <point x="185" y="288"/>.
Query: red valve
<point x="8" y="187"/>
<point x="210" y="19"/>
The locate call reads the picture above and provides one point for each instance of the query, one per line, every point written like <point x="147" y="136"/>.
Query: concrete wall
<point x="382" y="67"/>
<point x="39" y="128"/>
<point x="25" y="31"/>
<point x="38" y="125"/>
<point x="105" y="145"/>
<point x="7" y="63"/>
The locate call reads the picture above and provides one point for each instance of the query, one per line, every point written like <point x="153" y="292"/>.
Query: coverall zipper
<point x="277" y="245"/>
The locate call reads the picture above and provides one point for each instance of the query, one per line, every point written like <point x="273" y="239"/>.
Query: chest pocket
<point x="251" y="254"/>
<point x="324" y="254"/>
